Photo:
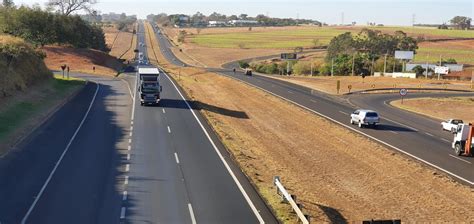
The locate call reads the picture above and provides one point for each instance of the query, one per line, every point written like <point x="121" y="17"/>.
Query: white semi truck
<point x="149" y="86"/>
<point x="463" y="143"/>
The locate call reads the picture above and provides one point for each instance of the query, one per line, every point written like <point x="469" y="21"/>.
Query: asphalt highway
<point x="413" y="135"/>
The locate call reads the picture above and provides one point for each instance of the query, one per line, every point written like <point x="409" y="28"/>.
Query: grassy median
<point x="25" y="110"/>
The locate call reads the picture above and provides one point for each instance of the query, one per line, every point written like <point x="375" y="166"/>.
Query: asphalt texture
<point x="413" y="135"/>
<point x="103" y="158"/>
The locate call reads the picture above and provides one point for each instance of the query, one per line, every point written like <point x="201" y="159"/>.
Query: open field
<point x="20" y="113"/>
<point x="230" y="44"/>
<point x="328" y="84"/>
<point x="81" y="60"/>
<point x="121" y="43"/>
<point x="317" y="160"/>
<point x="441" y="108"/>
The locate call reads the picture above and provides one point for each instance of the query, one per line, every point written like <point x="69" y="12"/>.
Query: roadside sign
<point x="404" y="55"/>
<point x="442" y="70"/>
<point x="403" y="92"/>
<point x="289" y="56"/>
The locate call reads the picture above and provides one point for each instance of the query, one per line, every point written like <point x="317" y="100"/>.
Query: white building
<point x="216" y="23"/>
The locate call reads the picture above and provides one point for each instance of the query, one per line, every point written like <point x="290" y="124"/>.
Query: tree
<point x="181" y="36"/>
<point x="461" y="22"/>
<point x="8" y="3"/>
<point x="67" y="7"/>
<point x="244" y="64"/>
<point x="243" y="16"/>
<point x="418" y="70"/>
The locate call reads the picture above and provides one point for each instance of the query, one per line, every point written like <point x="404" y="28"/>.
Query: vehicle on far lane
<point x="365" y="118"/>
<point x="451" y="125"/>
<point x="463" y="143"/>
<point x="248" y="71"/>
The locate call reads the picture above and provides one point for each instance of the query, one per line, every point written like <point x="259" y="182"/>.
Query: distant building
<point x="184" y="19"/>
<point x="216" y="23"/>
<point x="452" y="67"/>
<point x="243" y="22"/>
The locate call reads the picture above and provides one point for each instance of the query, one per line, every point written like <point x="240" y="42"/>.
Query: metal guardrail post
<point x="291" y="200"/>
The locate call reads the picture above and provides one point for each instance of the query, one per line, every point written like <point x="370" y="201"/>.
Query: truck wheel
<point x="458" y="149"/>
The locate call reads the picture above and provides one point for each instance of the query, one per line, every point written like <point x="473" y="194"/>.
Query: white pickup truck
<point x="451" y="125"/>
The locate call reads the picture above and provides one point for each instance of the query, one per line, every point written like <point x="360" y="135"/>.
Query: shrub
<point x="244" y="64"/>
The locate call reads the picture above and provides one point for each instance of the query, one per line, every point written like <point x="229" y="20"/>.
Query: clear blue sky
<point x="389" y="12"/>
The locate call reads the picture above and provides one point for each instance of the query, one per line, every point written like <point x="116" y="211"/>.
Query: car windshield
<point x="149" y="88"/>
<point x="457" y="121"/>
<point x="372" y="114"/>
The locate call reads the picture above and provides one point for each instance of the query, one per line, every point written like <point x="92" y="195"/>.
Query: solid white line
<point x="124" y="197"/>
<point x="445" y="140"/>
<point x="125" y="182"/>
<point x="169" y="130"/>
<point x="191" y="213"/>
<point x="394" y="132"/>
<point x="414" y="129"/>
<point x="164" y="111"/>
<point x="122" y="212"/>
<point x="242" y="190"/>
<point x="362" y="133"/>
<point x="429" y="134"/>
<point x="176" y="157"/>
<point x="342" y="112"/>
<point x="129" y="89"/>
<point x="460" y="159"/>
<point x="127" y="167"/>
<point x="134" y="100"/>
<point x="61" y="157"/>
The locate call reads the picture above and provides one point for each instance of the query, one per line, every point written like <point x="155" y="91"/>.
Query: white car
<point x="365" y="118"/>
<point x="451" y="125"/>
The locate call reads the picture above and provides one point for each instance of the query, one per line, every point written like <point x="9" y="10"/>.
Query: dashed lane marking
<point x="124" y="196"/>
<point x="460" y="159"/>
<point x="191" y="213"/>
<point x="122" y="212"/>
<point x="169" y="130"/>
<point x="176" y="157"/>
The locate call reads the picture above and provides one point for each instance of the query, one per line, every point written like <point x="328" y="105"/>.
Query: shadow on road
<point x="387" y="127"/>
<point x="197" y="105"/>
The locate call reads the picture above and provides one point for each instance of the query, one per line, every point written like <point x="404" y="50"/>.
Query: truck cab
<point x="149" y="86"/>
<point x="463" y="143"/>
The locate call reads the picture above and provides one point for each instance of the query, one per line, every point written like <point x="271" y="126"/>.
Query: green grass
<point x="289" y="39"/>
<point x="17" y="114"/>
<point x="431" y="54"/>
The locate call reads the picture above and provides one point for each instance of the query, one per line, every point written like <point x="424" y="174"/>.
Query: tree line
<point x="41" y="27"/>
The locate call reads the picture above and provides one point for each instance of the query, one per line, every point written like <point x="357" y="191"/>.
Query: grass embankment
<point x="440" y="108"/>
<point x="121" y="43"/>
<point x="339" y="176"/>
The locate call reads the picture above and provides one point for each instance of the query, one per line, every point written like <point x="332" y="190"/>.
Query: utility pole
<point x="440" y="64"/>
<point x="373" y="67"/>
<point x="332" y="67"/>
<point x="353" y="63"/>
<point x="311" y="68"/>
<point x="385" y="65"/>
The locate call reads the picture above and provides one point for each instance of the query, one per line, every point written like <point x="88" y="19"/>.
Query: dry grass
<point x="329" y="84"/>
<point x="338" y="175"/>
<point x="81" y="60"/>
<point x="441" y="108"/>
<point x="121" y="44"/>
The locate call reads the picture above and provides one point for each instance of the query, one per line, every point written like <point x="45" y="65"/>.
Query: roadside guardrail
<point x="291" y="199"/>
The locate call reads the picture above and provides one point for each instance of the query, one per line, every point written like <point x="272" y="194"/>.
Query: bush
<point x="244" y="64"/>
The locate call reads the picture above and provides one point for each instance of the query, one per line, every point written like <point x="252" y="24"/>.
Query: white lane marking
<point x="38" y="196"/>
<point x="314" y="101"/>
<point x="242" y="190"/>
<point x="342" y="112"/>
<point x="191" y="213"/>
<point x="124" y="196"/>
<point x="362" y="133"/>
<point x="129" y="140"/>
<point x="394" y="132"/>
<point x="445" y="140"/>
<point x="176" y="157"/>
<point x="414" y="129"/>
<point x="134" y="100"/>
<point x="129" y="89"/>
<point x="164" y="111"/>
<point x="127" y="167"/>
<point x="129" y="148"/>
<point x="131" y="133"/>
<point x="131" y="128"/>
<point x="122" y="212"/>
<point x="429" y="134"/>
<point x="460" y="159"/>
<point x="125" y="182"/>
<point x="128" y="156"/>
<point x="131" y="122"/>
<point x="290" y="92"/>
<point x="169" y="130"/>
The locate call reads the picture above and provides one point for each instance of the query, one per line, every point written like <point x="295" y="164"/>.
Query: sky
<point x="387" y="12"/>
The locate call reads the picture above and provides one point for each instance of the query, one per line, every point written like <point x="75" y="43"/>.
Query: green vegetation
<point x="431" y="54"/>
<point x="17" y="114"/>
<point x="42" y="27"/>
<point x="21" y="65"/>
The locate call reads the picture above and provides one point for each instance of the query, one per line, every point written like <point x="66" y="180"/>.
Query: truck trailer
<point x="149" y="85"/>
<point x="463" y="143"/>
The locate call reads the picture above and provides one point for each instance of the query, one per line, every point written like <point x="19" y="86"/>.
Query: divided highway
<point x="415" y="136"/>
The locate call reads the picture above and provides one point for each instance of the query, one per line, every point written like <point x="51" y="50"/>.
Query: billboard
<point x="404" y="55"/>
<point x="289" y="56"/>
<point x="442" y="70"/>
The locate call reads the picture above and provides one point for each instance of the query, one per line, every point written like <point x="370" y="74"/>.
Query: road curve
<point x="429" y="146"/>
